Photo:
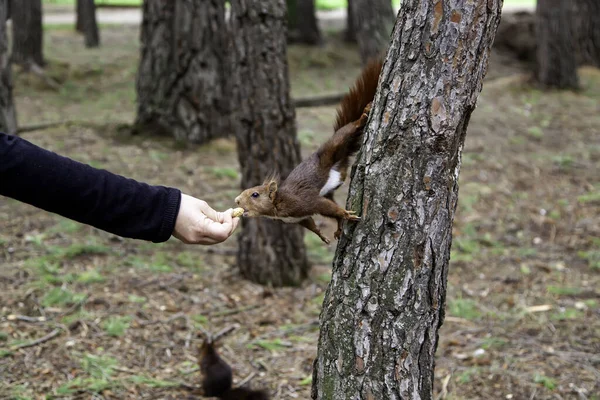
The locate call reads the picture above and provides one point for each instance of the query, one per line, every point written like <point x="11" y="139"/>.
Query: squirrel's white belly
<point x="333" y="182"/>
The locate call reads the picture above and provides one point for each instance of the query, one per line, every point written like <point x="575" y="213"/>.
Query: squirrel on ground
<point x="218" y="377"/>
<point x="308" y="190"/>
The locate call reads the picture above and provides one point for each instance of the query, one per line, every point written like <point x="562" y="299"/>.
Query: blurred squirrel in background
<point x="217" y="376"/>
<point x="308" y="190"/>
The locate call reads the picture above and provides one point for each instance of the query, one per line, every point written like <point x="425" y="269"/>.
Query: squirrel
<point x="308" y="190"/>
<point x="218" y="377"/>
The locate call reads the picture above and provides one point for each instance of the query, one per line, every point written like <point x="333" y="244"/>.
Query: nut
<point x="237" y="212"/>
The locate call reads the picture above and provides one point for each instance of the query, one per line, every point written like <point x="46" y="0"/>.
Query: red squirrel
<point x="308" y="190"/>
<point x="218" y="377"/>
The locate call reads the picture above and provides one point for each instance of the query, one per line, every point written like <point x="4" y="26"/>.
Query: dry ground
<point x="523" y="319"/>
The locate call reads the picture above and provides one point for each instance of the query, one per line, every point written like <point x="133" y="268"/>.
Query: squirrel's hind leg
<point x="329" y="208"/>
<point x="309" y="223"/>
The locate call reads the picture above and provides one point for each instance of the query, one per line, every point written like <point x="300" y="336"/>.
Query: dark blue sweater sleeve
<point x="85" y="194"/>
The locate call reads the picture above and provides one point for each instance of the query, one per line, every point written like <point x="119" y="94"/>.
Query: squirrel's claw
<point x="351" y="216"/>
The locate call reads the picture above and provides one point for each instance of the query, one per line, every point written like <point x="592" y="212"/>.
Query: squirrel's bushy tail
<point x="347" y="139"/>
<point x="361" y="94"/>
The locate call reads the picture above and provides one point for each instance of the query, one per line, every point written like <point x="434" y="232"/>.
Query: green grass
<point x="223" y="172"/>
<point x="59" y="297"/>
<point x="546" y="381"/>
<point x="271" y="345"/>
<point x="91" y="276"/>
<point x="152" y="382"/>
<point x="563" y="291"/>
<point x="464" y="308"/>
<point x="116" y="326"/>
<point x="318" y="252"/>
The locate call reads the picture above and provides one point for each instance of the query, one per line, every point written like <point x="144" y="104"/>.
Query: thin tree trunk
<point x="27" y="33"/>
<point x="8" y="119"/>
<point x="556" y="51"/>
<point x="303" y="26"/>
<point x="350" y="34"/>
<point x="385" y="303"/>
<point x="586" y="26"/>
<point x="182" y="83"/>
<point x="79" y="16"/>
<point x="270" y="252"/>
<point x="373" y="21"/>
<point x="88" y="20"/>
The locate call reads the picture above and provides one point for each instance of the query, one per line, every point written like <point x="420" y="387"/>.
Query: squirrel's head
<point x="259" y="200"/>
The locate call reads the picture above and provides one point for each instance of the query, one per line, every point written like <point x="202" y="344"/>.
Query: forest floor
<point x="523" y="316"/>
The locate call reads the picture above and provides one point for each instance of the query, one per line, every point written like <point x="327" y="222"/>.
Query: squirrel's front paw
<point x="351" y="216"/>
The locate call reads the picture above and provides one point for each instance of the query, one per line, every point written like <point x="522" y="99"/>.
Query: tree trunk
<point x="182" y="83"/>
<point x="385" y="303"/>
<point x="27" y="33"/>
<point x="303" y="26"/>
<point x="556" y="52"/>
<point x="89" y="24"/>
<point x="8" y="119"/>
<point x="79" y="16"/>
<point x="586" y="27"/>
<point x="373" y="21"/>
<point x="270" y="252"/>
<point x="350" y="35"/>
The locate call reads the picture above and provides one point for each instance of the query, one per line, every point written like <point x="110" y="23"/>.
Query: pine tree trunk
<point x="88" y="20"/>
<point x="556" y="51"/>
<point x="27" y="33"/>
<point x="270" y="252"/>
<point x="586" y="27"/>
<point x="182" y="83"/>
<point x="79" y="16"/>
<point x="350" y="34"/>
<point x="373" y="21"/>
<point x="8" y="119"/>
<point x="385" y="303"/>
<point x="303" y="26"/>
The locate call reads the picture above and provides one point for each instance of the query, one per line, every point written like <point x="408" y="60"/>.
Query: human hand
<point x="198" y="223"/>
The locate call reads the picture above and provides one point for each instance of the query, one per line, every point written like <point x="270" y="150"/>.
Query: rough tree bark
<point x="87" y="17"/>
<point x="372" y="22"/>
<point x="556" y="53"/>
<point x="385" y="303"/>
<point x="8" y="119"/>
<point x="586" y="25"/>
<point x="302" y="22"/>
<point x="269" y="252"/>
<point x="182" y="82"/>
<point x="27" y="33"/>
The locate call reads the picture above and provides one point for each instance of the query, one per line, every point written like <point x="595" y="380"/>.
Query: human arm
<point x="92" y="196"/>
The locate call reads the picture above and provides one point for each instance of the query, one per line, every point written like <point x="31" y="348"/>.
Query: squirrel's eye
<point x="255" y="194"/>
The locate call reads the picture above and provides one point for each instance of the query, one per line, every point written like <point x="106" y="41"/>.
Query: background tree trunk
<point x="182" y="83"/>
<point x="586" y="26"/>
<point x="27" y="32"/>
<point x="79" y="16"/>
<point x="556" y="49"/>
<point x="8" y="119"/>
<point x="373" y="21"/>
<point x="385" y="303"/>
<point x="302" y="22"/>
<point x="87" y="9"/>
<point x="350" y="35"/>
<point x="270" y="252"/>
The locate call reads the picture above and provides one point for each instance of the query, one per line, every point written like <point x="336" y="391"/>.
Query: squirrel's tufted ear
<point x="272" y="188"/>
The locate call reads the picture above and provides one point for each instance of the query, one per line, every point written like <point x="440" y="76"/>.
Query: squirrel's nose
<point x="237" y="200"/>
